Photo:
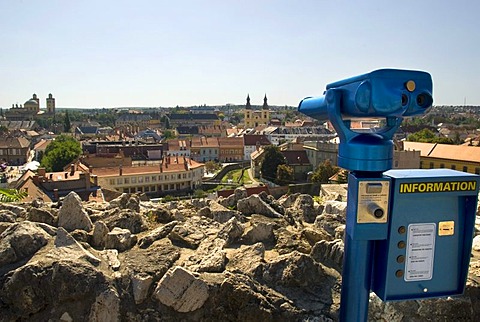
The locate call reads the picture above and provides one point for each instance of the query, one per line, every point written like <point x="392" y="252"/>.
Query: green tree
<point x="285" y="174"/>
<point x="211" y="166"/>
<point x="66" y="123"/>
<point x="428" y="136"/>
<point x="62" y="151"/>
<point x="11" y="195"/>
<point x="272" y="159"/>
<point x="324" y="171"/>
<point x="168" y="134"/>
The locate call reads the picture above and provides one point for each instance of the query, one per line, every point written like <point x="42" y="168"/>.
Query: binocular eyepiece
<point x="381" y="93"/>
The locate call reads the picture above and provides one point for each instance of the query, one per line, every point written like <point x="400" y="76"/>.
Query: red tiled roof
<point x="254" y="139"/>
<point x="296" y="157"/>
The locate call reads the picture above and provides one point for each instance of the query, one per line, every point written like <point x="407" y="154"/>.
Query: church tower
<point x="50" y="104"/>
<point x="248" y="113"/>
<point x="265" y="105"/>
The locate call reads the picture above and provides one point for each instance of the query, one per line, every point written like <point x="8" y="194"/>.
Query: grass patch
<point x="239" y="176"/>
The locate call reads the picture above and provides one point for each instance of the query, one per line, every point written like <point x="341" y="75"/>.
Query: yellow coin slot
<point x="446" y="228"/>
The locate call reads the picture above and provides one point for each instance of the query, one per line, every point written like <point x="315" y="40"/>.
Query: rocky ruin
<point x="241" y="258"/>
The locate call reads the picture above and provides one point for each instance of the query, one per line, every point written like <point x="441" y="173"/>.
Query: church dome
<point x="31" y="102"/>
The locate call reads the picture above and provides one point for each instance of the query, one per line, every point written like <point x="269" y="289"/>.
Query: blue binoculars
<point x="392" y="94"/>
<point x="381" y="93"/>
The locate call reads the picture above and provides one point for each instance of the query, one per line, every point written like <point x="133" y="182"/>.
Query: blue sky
<point x="107" y="53"/>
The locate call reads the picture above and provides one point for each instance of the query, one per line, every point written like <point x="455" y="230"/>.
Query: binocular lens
<point x="404" y="99"/>
<point x="421" y="100"/>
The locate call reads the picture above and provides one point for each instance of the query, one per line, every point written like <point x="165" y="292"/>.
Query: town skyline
<point x="159" y="53"/>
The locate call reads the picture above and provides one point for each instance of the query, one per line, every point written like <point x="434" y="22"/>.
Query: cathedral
<point x="31" y="109"/>
<point x="255" y="117"/>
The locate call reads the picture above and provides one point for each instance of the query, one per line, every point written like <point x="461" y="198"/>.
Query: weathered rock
<point x="126" y="201"/>
<point x="4" y="226"/>
<point x="329" y="253"/>
<point x="315" y="235"/>
<point x="72" y="215"/>
<point x="287" y="201"/>
<point x="67" y="248"/>
<point x="208" y="257"/>
<point x="110" y="256"/>
<point x="310" y="285"/>
<point x="214" y="262"/>
<point x="476" y="243"/>
<point x="288" y="240"/>
<point x="256" y="205"/>
<point x="126" y="219"/>
<point x="161" y="215"/>
<point x="154" y="260"/>
<point x="20" y="241"/>
<point x="304" y="207"/>
<point x="441" y="309"/>
<point x="272" y="202"/>
<point x="41" y="290"/>
<point x="247" y="259"/>
<point x="42" y="215"/>
<point x="106" y="307"/>
<point x="99" y="236"/>
<point x="231" y="231"/>
<point x="188" y="234"/>
<point x="120" y="239"/>
<point x="329" y="222"/>
<point x="231" y="201"/>
<point x="140" y="286"/>
<point x="181" y="290"/>
<point x="19" y="211"/>
<point x="258" y="232"/>
<point x="156" y="234"/>
<point x="221" y="214"/>
<point x="7" y="216"/>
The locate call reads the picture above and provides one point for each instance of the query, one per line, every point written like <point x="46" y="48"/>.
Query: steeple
<point x="248" y="106"/>
<point x="265" y="105"/>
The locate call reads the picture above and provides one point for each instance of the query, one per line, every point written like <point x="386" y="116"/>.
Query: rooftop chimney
<point x="120" y="170"/>
<point x="41" y="172"/>
<point x="72" y="169"/>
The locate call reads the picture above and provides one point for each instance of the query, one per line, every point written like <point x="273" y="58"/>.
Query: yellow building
<point x="456" y="157"/>
<point x="174" y="174"/>
<point x="254" y="118"/>
<point x="50" y="104"/>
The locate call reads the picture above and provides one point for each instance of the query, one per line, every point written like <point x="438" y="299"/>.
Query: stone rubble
<point x="241" y="258"/>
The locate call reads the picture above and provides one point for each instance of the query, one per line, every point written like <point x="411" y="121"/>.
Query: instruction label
<point x="420" y="252"/>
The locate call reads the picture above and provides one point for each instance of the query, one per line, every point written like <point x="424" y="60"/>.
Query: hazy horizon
<point x="163" y="53"/>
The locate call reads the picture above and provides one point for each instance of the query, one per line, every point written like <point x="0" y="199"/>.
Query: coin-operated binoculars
<point x="409" y="232"/>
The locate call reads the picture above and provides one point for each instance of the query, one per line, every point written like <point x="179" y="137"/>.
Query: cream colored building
<point x="254" y="118"/>
<point x="50" y="104"/>
<point x="174" y="174"/>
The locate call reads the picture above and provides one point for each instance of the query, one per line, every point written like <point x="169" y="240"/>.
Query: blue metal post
<point x="356" y="278"/>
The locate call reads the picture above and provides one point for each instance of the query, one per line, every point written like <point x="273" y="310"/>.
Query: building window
<point x="119" y="181"/>
<point x="421" y="164"/>
<point x="126" y="180"/>
<point x="477" y="170"/>
<point x="454" y="166"/>
<point x="442" y="165"/>
<point x="147" y="179"/>
<point x="112" y="182"/>
<point x="431" y="165"/>
<point x="154" y="178"/>
<point x="134" y="180"/>
<point x="140" y="179"/>
<point x="465" y="169"/>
